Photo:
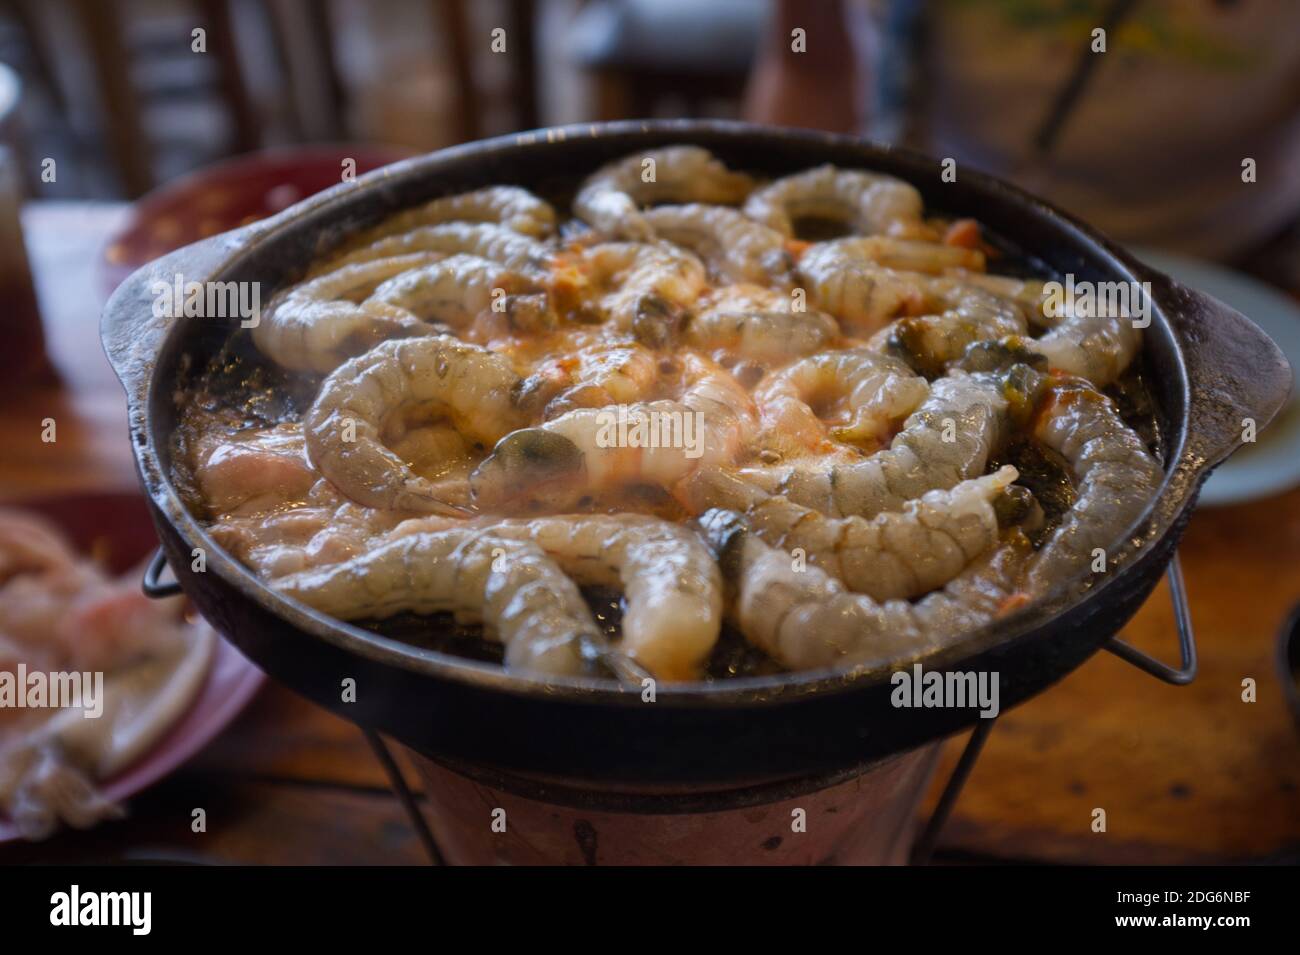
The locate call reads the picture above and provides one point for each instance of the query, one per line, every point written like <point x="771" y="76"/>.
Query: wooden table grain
<point x="1184" y="774"/>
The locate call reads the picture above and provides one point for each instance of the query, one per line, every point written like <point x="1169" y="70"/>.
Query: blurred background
<point x="130" y="127"/>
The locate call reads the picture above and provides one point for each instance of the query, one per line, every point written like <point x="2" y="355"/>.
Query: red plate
<point x="117" y="526"/>
<point x="228" y="194"/>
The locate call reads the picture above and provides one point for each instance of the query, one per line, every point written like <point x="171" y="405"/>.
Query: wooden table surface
<point x="1184" y="773"/>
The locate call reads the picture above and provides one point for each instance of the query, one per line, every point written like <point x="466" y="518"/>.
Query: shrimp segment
<point x="486" y="240"/>
<point x="645" y="289"/>
<point x="509" y="206"/>
<point x="609" y="199"/>
<point x="472" y="386"/>
<point x="456" y="289"/>
<point x="734" y="246"/>
<point x="867" y="202"/>
<point x="895" y="554"/>
<point x="671" y="585"/>
<point x="957" y="315"/>
<point x="804" y="618"/>
<point x="877" y="389"/>
<point x="316" y="326"/>
<point x="1116" y="478"/>
<point x="947" y="440"/>
<point x="510" y="586"/>
<point x="761" y="336"/>
<point x="562" y="461"/>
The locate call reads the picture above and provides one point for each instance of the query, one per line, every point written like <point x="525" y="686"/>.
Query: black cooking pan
<point x="1209" y="368"/>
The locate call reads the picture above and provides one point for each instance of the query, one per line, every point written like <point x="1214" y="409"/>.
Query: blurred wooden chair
<point x="465" y="43"/>
<point x="644" y="54"/>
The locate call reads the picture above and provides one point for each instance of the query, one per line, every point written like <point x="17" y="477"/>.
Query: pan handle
<point x="1235" y="371"/>
<point x="131" y="329"/>
<point x="154" y="587"/>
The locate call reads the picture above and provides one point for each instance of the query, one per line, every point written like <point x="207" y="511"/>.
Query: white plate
<point x="1273" y="464"/>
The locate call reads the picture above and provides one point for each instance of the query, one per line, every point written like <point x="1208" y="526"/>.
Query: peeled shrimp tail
<point x="510" y="586"/>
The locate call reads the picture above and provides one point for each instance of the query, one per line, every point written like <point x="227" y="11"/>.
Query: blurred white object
<point x="1273" y="464"/>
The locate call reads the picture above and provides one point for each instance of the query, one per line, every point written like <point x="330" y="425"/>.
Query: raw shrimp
<point x="518" y="252"/>
<point x="947" y="440"/>
<point x="866" y="202"/>
<point x="475" y="388"/>
<point x="252" y="471"/>
<point x="879" y="391"/>
<point x="1096" y="347"/>
<point x="1116" y="477"/>
<point x="732" y="245"/>
<point x="804" y="618"/>
<point x="651" y="287"/>
<point x="956" y="315"/>
<point x="518" y="593"/>
<point x="760" y="336"/>
<point x="582" y="452"/>
<point x="456" y="289"/>
<point x="317" y="325"/>
<point x="591" y="377"/>
<point x="894" y="554"/>
<point x="906" y="255"/>
<point x="509" y="206"/>
<point x="671" y="586"/>
<point x="610" y="198"/>
<point x="861" y="294"/>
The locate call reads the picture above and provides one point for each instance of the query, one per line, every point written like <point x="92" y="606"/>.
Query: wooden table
<point x="1184" y="773"/>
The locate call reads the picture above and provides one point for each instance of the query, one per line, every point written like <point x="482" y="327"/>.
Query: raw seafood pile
<point x="672" y="395"/>
<point x="137" y="665"/>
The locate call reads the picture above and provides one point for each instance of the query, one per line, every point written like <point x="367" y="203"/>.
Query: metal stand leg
<point x="405" y="796"/>
<point x="925" y="843"/>
<point x="1186" y="672"/>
